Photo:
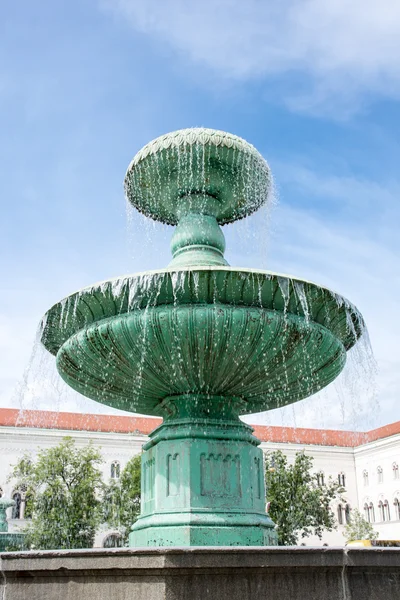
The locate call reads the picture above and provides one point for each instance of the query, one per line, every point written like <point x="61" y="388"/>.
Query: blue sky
<point x="315" y="86"/>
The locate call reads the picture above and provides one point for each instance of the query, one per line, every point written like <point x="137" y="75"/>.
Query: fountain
<point x="200" y="343"/>
<point x="9" y="540"/>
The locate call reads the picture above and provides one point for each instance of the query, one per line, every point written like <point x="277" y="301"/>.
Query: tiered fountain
<point x="9" y="540"/>
<point x="201" y="343"/>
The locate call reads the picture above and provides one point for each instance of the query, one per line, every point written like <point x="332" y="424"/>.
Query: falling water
<point x="352" y="395"/>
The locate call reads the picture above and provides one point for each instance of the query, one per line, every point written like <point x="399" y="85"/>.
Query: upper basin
<point x="264" y="338"/>
<point x="198" y="170"/>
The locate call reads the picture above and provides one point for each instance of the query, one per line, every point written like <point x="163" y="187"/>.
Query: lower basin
<point x="133" y="361"/>
<point x="264" y="338"/>
<point x="12" y="541"/>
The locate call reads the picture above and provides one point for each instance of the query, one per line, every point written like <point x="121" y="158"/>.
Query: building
<point x="365" y="463"/>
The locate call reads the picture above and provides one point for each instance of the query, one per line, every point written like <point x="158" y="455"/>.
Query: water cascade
<point x="200" y="343"/>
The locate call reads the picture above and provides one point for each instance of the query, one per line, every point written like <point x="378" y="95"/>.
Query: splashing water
<point x="151" y="183"/>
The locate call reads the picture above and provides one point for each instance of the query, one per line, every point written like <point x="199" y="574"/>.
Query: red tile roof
<point x="40" y="419"/>
<point x="46" y="419"/>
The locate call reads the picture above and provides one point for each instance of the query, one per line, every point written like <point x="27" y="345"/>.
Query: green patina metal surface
<point x="200" y="343"/>
<point x="201" y="171"/>
<point x="202" y="478"/>
<point x="133" y="361"/>
<point x="4" y="504"/>
<point x="9" y="540"/>
<point x="12" y="541"/>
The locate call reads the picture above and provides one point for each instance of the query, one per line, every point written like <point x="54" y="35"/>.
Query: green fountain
<point x="200" y="343"/>
<point x="9" y="540"/>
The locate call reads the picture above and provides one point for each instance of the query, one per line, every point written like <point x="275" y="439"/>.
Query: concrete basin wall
<point x="212" y="573"/>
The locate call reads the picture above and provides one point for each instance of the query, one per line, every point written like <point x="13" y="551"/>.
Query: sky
<point x="314" y="85"/>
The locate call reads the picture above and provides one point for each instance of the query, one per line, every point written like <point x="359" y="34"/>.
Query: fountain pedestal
<point x="202" y="478"/>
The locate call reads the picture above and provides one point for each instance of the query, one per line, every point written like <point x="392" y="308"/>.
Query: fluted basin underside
<point x="135" y="360"/>
<point x="264" y="338"/>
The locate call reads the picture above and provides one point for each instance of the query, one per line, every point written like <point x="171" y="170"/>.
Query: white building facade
<point x="366" y="464"/>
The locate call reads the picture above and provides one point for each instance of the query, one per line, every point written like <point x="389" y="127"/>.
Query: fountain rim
<point x="53" y="342"/>
<point x="155" y="145"/>
<point x="227" y="268"/>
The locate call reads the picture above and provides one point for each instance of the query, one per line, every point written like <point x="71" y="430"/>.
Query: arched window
<point x="16" y="509"/>
<point x="386" y="511"/>
<point x="113" y="540"/>
<point x="395" y="467"/>
<point x="115" y="470"/>
<point x="397" y="509"/>
<point x="371" y="513"/>
<point x="366" y="513"/>
<point x="340" y="514"/>
<point x="381" y="511"/>
<point x="342" y="479"/>
<point x="320" y="478"/>
<point x="365" y="477"/>
<point x="380" y="474"/>
<point x="347" y="510"/>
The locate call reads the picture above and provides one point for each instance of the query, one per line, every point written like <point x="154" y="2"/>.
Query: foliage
<point x="299" y="506"/>
<point x="64" y="484"/>
<point x="359" y="528"/>
<point x="121" y="498"/>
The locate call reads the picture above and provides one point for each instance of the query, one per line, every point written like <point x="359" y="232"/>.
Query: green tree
<point x="359" y="528"/>
<point x="121" y="498"/>
<point x="64" y="484"/>
<point x="300" y="505"/>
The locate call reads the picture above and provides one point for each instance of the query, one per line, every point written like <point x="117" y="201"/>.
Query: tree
<point x="359" y="528"/>
<point x="299" y="504"/>
<point x="64" y="483"/>
<point x="121" y="498"/>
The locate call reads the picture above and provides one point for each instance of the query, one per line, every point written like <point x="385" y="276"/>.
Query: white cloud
<point x="344" y="49"/>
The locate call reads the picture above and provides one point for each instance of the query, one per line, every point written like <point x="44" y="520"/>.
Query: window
<point x="365" y="477"/>
<point x="386" y="511"/>
<point x="115" y="470"/>
<point x="383" y="511"/>
<point x="395" y="471"/>
<point x="113" y="540"/>
<point x="380" y="475"/>
<point x="342" y="479"/>
<point x="340" y="514"/>
<point x="347" y="513"/>
<point x="366" y="513"/>
<point x="320" y="478"/>
<point x="16" y="509"/>
<point x="371" y="513"/>
<point x="396" y="509"/>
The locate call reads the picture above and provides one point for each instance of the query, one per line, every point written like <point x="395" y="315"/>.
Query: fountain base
<point x="202" y="478"/>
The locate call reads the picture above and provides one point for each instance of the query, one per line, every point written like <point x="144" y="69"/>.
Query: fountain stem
<point x="198" y="240"/>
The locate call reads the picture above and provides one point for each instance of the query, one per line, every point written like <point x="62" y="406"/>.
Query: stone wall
<point x="202" y="574"/>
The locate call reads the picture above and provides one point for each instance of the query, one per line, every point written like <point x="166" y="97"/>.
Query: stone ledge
<point x="232" y="573"/>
